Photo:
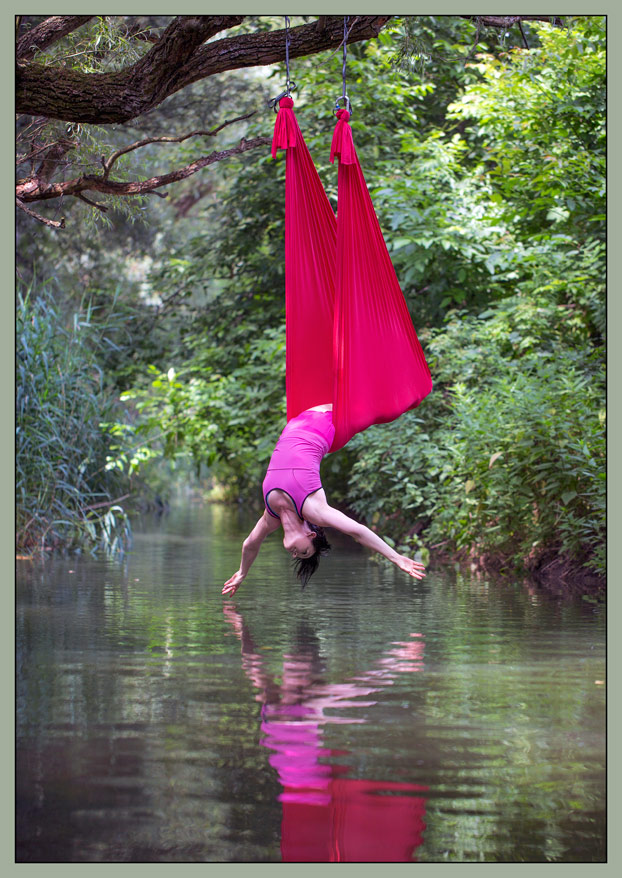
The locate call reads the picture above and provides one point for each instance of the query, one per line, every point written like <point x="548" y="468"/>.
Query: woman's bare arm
<point x="322" y="514"/>
<point x="250" y="549"/>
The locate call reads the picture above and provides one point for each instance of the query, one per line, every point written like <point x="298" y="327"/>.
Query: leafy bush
<point x="228" y="420"/>
<point x="507" y="455"/>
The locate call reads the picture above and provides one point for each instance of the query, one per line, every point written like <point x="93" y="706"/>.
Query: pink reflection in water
<point x="328" y="817"/>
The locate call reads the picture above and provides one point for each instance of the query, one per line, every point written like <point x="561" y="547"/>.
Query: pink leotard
<point x="294" y="467"/>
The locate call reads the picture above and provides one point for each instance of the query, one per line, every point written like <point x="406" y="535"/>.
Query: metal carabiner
<point x="274" y="102"/>
<point x="348" y="105"/>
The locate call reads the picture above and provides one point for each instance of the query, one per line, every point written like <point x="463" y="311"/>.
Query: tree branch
<point x="505" y="21"/>
<point x="178" y="59"/>
<point x="30" y="190"/>
<point x="97" y="204"/>
<point x="48" y="32"/>
<point x="107" y="165"/>
<point x="186" y="202"/>
<point x="257" y="50"/>
<point x="53" y="157"/>
<point x="41" y="219"/>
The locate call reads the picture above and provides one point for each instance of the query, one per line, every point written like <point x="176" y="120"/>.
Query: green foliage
<point x="540" y="128"/>
<point x="65" y="494"/>
<point x="226" y="420"/>
<point x="103" y="44"/>
<point x="508" y="454"/>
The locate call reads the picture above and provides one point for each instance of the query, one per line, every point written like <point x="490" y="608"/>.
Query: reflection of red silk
<point x="327" y="818"/>
<point x="364" y="821"/>
<point x="349" y="337"/>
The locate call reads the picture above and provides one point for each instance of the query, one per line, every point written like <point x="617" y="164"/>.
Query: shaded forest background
<point x="150" y="330"/>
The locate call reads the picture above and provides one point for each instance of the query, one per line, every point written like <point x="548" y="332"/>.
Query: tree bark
<point x="178" y="59"/>
<point x="48" y="32"/>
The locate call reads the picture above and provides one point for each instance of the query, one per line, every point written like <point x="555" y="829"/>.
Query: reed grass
<point x="66" y="498"/>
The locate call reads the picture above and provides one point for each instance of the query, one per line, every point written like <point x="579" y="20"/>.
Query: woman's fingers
<point x="414" y="568"/>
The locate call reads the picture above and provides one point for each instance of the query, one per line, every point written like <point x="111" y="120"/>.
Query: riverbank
<point x="558" y="574"/>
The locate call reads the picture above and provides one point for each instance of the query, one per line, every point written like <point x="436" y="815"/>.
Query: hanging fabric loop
<point x="349" y="337"/>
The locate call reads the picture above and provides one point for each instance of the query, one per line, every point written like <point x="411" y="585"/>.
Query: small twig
<point x="105" y="503"/>
<point x="54" y="224"/>
<point x="356" y="18"/>
<point x="99" y="206"/>
<point x="107" y="164"/>
<point x="522" y="33"/>
<point x="474" y="46"/>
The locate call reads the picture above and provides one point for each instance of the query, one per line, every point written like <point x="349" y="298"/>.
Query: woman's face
<point x="300" y="546"/>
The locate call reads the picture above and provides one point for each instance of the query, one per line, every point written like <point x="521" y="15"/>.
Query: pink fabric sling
<point x="349" y="337"/>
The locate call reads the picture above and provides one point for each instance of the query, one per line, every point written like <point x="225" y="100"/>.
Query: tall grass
<point x="65" y="495"/>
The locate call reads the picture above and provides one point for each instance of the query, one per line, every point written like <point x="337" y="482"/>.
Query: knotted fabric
<point x="349" y="337"/>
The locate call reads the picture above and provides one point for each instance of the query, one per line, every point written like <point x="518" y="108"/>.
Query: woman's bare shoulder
<point x="314" y="505"/>
<point x="317" y="511"/>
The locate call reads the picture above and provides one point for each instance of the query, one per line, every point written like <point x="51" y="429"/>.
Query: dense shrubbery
<point x="509" y="457"/>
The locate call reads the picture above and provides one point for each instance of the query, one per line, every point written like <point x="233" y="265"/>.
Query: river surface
<point x="367" y="718"/>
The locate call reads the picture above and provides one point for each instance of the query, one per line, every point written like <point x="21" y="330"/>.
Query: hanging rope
<point x="344" y="95"/>
<point x="287" y="52"/>
<point x="345" y="54"/>
<point x="290" y="86"/>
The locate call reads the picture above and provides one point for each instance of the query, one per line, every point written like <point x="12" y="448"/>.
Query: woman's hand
<point x="231" y="585"/>
<point x="413" y="568"/>
<point x="250" y="550"/>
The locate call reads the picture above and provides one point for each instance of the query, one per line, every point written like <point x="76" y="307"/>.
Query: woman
<point x="295" y="501"/>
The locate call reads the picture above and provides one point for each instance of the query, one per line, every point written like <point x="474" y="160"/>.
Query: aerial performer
<point x="353" y="358"/>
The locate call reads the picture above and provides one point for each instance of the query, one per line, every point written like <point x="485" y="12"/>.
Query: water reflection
<point x="139" y="711"/>
<point x="326" y="816"/>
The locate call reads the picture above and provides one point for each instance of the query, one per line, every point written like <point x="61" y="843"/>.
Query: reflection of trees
<point x="328" y="817"/>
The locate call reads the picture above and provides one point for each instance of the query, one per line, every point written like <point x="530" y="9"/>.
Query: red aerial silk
<point x="349" y="337"/>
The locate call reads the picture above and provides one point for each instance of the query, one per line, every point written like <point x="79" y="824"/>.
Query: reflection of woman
<point x="292" y="486"/>
<point x="328" y="817"/>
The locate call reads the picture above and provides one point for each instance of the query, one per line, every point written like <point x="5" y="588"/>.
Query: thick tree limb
<point x="256" y="50"/>
<point x="34" y="190"/>
<point x="48" y="32"/>
<point x="178" y="59"/>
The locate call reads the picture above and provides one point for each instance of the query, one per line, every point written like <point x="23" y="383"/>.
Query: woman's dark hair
<point x="306" y="567"/>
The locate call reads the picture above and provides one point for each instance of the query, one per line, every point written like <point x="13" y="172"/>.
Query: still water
<point x="367" y="718"/>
